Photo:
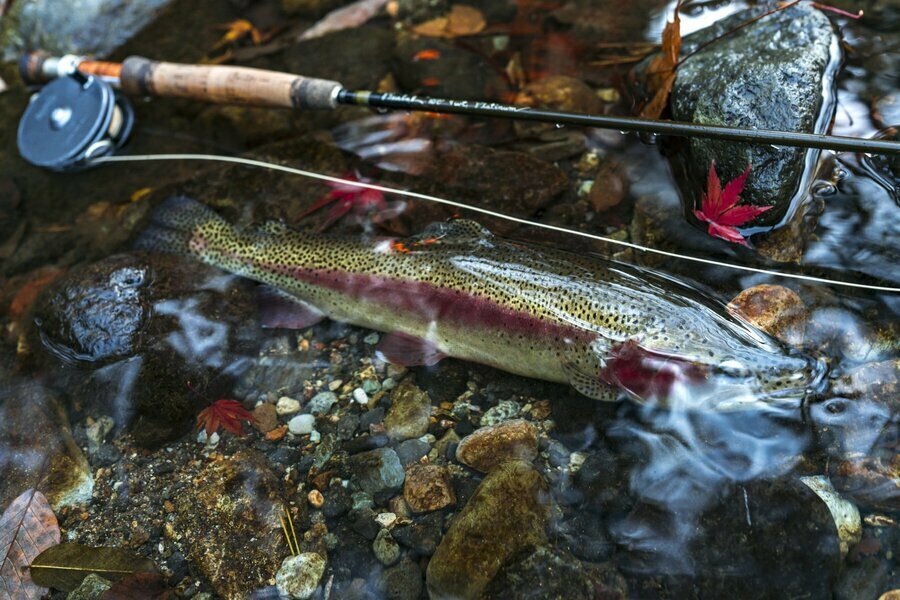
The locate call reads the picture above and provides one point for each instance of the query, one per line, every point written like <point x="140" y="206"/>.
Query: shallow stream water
<point x="108" y="355"/>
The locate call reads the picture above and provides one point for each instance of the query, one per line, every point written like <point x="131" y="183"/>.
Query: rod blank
<point x="506" y="111"/>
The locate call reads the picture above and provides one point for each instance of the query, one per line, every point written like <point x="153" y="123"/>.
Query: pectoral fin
<point x="278" y="310"/>
<point x="407" y="350"/>
<point x="583" y="366"/>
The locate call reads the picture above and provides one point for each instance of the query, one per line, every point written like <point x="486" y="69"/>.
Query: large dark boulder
<point x="777" y="73"/>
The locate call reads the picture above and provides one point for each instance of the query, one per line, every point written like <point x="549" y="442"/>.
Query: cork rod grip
<point x="227" y="84"/>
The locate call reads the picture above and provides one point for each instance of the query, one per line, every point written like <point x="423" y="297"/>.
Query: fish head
<point x="740" y="379"/>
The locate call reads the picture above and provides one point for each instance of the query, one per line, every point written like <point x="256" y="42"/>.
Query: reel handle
<point x="223" y="84"/>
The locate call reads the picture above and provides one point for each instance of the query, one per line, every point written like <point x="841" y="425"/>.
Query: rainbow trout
<point x="604" y="327"/>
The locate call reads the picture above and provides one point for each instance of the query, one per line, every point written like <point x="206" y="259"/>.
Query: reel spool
<point x="71" y="120"/>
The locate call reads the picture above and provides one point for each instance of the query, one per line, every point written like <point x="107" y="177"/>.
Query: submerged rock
<point x="409" y="412"/>
<point x="489" y="446"/>
<point x="775" y="309"/>
<point x="377" y="471"/>
<point x="299" y="575"/>
<point x="227" y="522"/>
<point x="92" y="587"/>
<point x="37" y="449"/>
<point x="428" y="488"/>
<point x="772" y="74"/>
<point x="542" y="572"/>
<point x="93" y="27"/>
<point x="156" y="326"/>
<point x="509" y="511"/>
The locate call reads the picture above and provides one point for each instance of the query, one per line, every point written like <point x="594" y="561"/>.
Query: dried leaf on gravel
<point x="27" y="528"/>
<point x="63" y="567"/>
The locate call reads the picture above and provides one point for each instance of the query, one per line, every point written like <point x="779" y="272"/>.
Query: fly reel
<point x="72" y="120"/>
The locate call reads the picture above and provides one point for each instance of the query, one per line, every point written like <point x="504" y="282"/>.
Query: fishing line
<point x="294" y="171"/>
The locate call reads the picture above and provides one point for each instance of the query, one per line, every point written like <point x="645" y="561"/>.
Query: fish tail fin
<point x="175" y="227"/>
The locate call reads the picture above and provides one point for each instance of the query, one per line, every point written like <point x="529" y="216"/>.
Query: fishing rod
<point x="79" y="116"/>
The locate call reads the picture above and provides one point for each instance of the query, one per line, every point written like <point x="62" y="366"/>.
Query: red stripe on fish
<point x="435" y="303"/>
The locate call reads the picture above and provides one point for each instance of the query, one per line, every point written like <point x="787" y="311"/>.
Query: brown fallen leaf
<point x="661" y="71"/>
<point x="27" y="528"/>
<point x="29" y="291"/>
<point x="139" y="586"/>
<point x="64" y="566"/>
<point x="461" y="20"/>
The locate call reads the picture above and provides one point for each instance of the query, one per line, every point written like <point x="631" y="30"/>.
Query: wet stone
<point x="265" y="417"/>
<point x="864" y="581"/>
<point x="302" y="424"/>
<point x="428" y="488"/>
<point x="34" y="429"/>
<point x="409" y="413"/>
<point x="377" y="471"/>
<point x="287" y="406"/>
<point x="557" y="92"/>
<point x="489" y="446"/>
<point x="504" y="411"/>
<point x="371" y="417"/>
<point x="509" y="511"/>
<point x="411" y="451"/>
<point x="878" y="382"/>
<point x="362" y="521"/>
<point x="769" y="75"/>
<point x="775" y="309"/>
<point x="458" y="74"/>
<point x="386" y="549"/>
<point x="91" y="588"/>
<point x="230" y="511"/>
<point x="322" y="402"/>
<point x="403" y="581"/>
<point x="299" y="575"/>
<point x="358" y="57"/>
<point x="422" y="535"/>
<point x="543" y="572"/>
<point x="584" y="535"/>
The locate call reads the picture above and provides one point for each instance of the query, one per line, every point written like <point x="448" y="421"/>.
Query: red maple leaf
<point x="224" y="413"/>
<point x="345" y="197"/>
<point x="720" y="209"/>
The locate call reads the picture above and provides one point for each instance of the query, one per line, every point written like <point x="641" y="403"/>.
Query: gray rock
<point x="299" y="575"/>
<point x="377" y="471"/>
<point x="412" y="450"/>
<point x="324" y="450"/>
<point x="769" y="75"/>
<point x="386" y="549"/>
<point x="84" y="27"/>
<point x="864" y="581"/>
<point x="322" y="402"/>
<point x="543" y="572"/>
<point x="91" y="588"/>
<point x="422" y="535"/>
<point x="504" y="411"/>
<point x="403" y="581"/>
<point x="409" y="412"/>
